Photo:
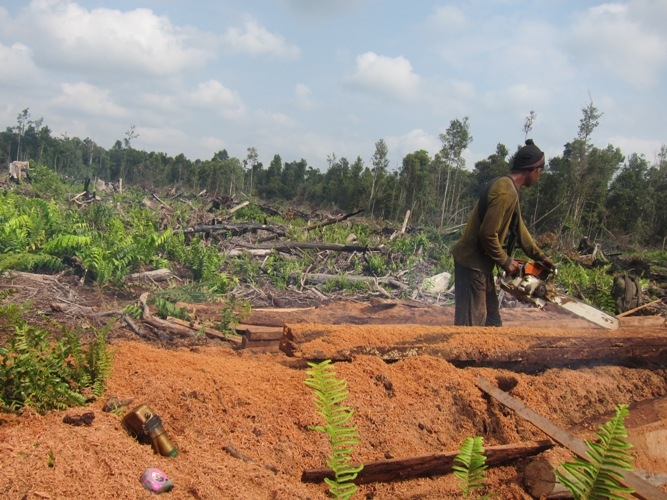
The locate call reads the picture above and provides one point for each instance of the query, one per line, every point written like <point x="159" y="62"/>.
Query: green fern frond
<point x="472" y="468"/>
<point x="66" y="244"/>
<point x="598" y="477"/>
<point x="329" y="394"/>
<point x="30" y="262"/>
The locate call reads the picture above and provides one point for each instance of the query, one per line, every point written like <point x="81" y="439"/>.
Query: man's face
<point x="534" y="176"/>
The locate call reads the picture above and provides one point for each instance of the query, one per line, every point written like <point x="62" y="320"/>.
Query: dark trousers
<point x="476" y="301"/>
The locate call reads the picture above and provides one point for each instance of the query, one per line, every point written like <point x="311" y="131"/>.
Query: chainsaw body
<point x="535" y="284"/>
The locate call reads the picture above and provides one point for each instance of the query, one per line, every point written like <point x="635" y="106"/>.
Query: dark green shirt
<point x="481" y="245"/>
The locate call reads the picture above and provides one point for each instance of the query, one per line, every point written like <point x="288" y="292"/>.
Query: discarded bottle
<point x="156" y="481"/>
<point x="146" y="427"/>
<point x="159" y="440"/>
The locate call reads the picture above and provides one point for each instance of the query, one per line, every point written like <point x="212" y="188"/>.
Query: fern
<point x="598" y="477"/>
<point x="471" y="472"/>
<point x="330" y="393"/>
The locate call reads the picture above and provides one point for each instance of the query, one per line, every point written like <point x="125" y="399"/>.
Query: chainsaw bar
<point x="535" y="285"/>
<point x="587" y="312"/>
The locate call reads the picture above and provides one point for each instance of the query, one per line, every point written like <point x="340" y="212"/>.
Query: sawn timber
<point x="523" y="350"/>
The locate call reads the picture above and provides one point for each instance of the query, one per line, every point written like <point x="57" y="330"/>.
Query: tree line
<point x="586" y="191"/>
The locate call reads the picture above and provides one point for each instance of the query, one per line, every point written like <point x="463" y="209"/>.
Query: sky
<point x="323" y="79"/>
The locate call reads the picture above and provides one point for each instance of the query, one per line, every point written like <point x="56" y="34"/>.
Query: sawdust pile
<point x="213" y="397"/>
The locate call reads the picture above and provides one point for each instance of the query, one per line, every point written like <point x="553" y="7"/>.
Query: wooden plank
<point x="642" y="488"/>
<point x="630" y="311"/>
<point x="400" y="469"/>
<point x="258" y="332"/>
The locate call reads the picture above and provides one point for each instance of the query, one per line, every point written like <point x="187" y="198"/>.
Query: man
<point x="495" y="220"/>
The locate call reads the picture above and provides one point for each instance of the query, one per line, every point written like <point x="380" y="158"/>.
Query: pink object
<point x="156" y="481"/>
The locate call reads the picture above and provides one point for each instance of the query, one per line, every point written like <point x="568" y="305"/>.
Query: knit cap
<point x="529" y="156"/>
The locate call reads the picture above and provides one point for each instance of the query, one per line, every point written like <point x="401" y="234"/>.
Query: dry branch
<point x="332" y="220"/>
<point x="400" y="469"/>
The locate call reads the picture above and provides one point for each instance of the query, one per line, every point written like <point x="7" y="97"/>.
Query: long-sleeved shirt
<point x="481" y="244"/>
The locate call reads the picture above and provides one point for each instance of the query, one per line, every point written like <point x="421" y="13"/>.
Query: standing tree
<point x="454" y="142"/>
<point x="380" y="163"/>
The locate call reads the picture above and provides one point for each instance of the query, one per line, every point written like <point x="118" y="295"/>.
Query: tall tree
<point x="380" y="162"/>
<point x="454" y="142"/>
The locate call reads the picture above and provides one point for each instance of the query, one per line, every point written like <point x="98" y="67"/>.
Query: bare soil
<point x="211" y="397"/>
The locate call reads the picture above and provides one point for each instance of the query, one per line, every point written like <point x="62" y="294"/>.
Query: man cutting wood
<point x="494" y="227"/>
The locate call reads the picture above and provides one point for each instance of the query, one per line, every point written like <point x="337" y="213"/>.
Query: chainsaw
<point x="535" y="284"/>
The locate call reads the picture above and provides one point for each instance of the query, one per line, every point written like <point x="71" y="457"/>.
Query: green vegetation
<point x="45" y="373"/>
<point x="329" y="395"/>
<point x="470" y="466"/>
<point x="598" y="477"/>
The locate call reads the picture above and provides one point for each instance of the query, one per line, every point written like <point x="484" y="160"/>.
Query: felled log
<point x="539" y="479"/>
<point x="155" y="276"/>
<point x="643" y="489"/>
<point x="323" y="278"/>
<point x="523" y="350"/>
<point x="233" y="228"/>
<point x="206" y="329"/>
<point x="400" y="469"/>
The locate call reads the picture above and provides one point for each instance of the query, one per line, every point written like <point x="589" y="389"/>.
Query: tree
<point x="528" y="124"/>
<point x="454" y="142"/>
<point x="417" y="194"/>
<point x="631" y="199"/>
<point x="380" y="163"/>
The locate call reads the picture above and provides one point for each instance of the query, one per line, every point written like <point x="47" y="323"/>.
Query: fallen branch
<point x="161" y="324"/>
<point x="332" y="220"/>
<point x="400" y="469"/>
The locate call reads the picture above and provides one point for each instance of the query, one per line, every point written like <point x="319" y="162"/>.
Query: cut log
<point x="400" y="469"/>
<point x="525" y="350"/>
<point x="207" y="329"/>
<point x="643" y="489"/>
<point x="540" y="480"/>
<point x="258" y="332"/>
<point x="158" y="275"/>
<point x="332" y="220"/>
<point x="323" y="278"/>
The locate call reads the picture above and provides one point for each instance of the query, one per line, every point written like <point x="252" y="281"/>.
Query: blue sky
<point x="315" y="78"/>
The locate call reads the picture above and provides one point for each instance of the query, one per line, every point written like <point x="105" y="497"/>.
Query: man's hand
<point x="513" y="268"/>
<point x="548" y="263"/>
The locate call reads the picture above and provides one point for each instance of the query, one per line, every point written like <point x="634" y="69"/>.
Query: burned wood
<point x="643" y="489"/>
<point x="401" y="469"/>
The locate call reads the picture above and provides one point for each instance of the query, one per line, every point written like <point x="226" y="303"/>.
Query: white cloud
<point x="416" y="139"/>
<point x="303" y="97"/>
<point x="18" y="69"/>
<point x="108" y="40"/>
<point x="214" y="96"/>
<point x="89" y="100"/>
<point x="391" y="76"/>
<point x="257" y="40"/>
<point x="448" y="18"/>
<point x="610" y="38"/>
